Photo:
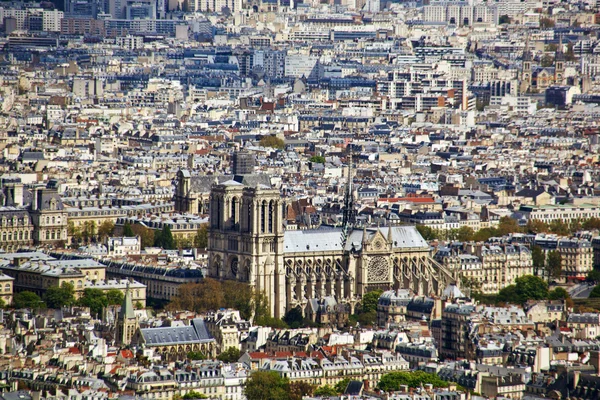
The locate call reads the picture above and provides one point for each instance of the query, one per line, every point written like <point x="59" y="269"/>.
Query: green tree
<point x="294" y="318"/>
<point x="393" y="380"/>
<point x="341" y="386"/>
<point x="230" y="355"/>
<point x="465" y="234"/>
<point x="164" y="238"/>
<point x="317" y="159"/>
<point x="271" y="322"/>
<point x="531" y="287"/>
<point x="370" y="300"/>
<point x="27" y="299"/>
<point x="558" y="294"/>
<point x="326" y="391"/>
<point x="504" y="19"/>
<point x="266" y="385"/>
<point x="95" y="299"/>
<point x="127" y="230"/>
<point x="195" y="356"/>
<point x="57" y="297"/>
<point x="508" y="294"/>
<point x="484" y="234"/>
<point x="2" y="303"/>
<point x="559" y="227"/>
<point x="595" y="293"/>
<point x="593" y="276"/>
<point x="427" y="232"/>
<point x="114" y="297"/>
<point x="201" y="238"/>
<point x="106" y="229"/>
<point x="539" y="259"/>
<point x="272" y="141"/>
<point x="192" y="394"/>
<point x="554" y="264"/>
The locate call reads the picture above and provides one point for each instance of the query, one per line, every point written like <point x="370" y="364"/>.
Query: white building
<point x="120" y="246"/>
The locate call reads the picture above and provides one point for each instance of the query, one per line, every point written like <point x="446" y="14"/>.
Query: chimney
<point x="34" y="201"/>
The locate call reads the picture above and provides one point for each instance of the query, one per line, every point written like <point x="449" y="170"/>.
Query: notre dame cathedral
<point x="248" y="242"/>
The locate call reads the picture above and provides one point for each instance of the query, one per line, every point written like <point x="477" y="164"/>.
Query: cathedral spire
<point x="349" y="215"/>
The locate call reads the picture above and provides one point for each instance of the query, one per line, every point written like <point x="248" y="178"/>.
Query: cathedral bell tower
<point x="127" y="322"/>
<point x="246" y="239"/>
<point x="526" y="69"/>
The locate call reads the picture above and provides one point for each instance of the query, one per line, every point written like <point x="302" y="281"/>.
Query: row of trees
<point x="527" y="287"/>
<point x="211" y="295"/>
<point x="507" y="226"/>
<point x="57" y="297"/>
<point x="164" y="238"/>
<point x="269" y="385"/>
<point x="90" y="232"/>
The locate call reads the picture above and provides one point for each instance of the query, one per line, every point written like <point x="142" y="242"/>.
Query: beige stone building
<point x="491" y="267"/>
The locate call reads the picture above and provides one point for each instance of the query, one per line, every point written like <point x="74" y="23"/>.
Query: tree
<point x="230" y="355"/>
<point x="427" y="232"/>
<point x="201" y="238"/>
<point x="504" y="19"/>
<point x="529" y="287"/>
<point x="484" y="234"/>
<point x="593" y="276"/>
<point x="57" y="297"/>
<point x="546" y="23"/>
<point x="595" y="293"/>
<point x="164" y="238"/>
<point x="114" y="297"/>
<point x="554" y="264"/>
<point x="294" y="318"/>
<point x="370" y="300"/>
<point x="300" y="389"/>
<point x="127" y="230"/>
<point x="558" y="294"/>
<point x="196" y="356"/>
<point x="559" y="227"/>
<point x="146" y="235"/>
<point x="547" y="61"/>
<point x="325" y="391"/>
<point x="317" y="159"/>
<point x="508" y="294"/>
<point x="465" y="234"/>
<point x="538" y="258"/>
<point x="508" y="225"/>
<point x="341" y="386"/>
<point x="536" y="226"/>
<point x="106" y="229"/>
<point x="192" y="394"/>
<point x="591" y="224"/>
<point x="393" y="380"/>
<point x="95" y="299"/>
<point x="272" y="141"/>
<point x="266" y="385"/>
<point x="27" y="299"/>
